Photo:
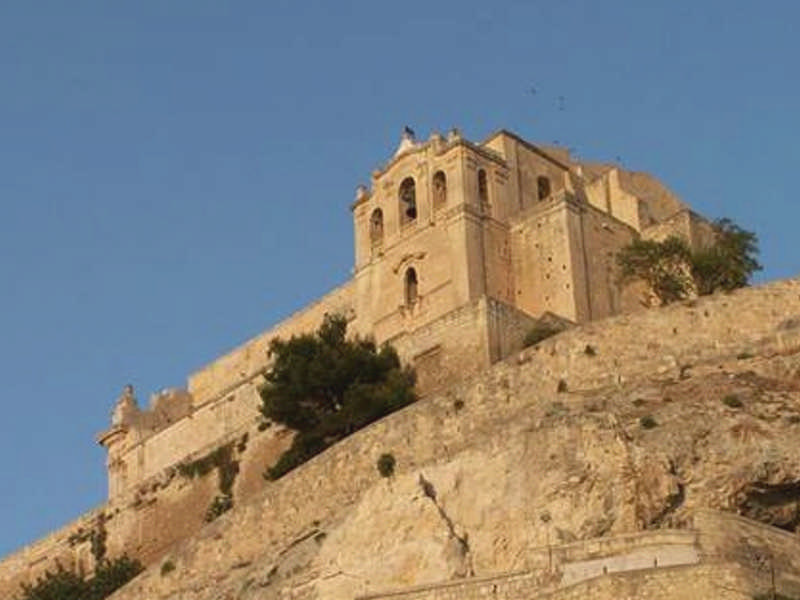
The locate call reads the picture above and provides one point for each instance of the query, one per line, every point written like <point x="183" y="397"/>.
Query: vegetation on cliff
<point x="674" y="271"/>
<point x="326" y="386"/>
<point x="222" y="460"/>
<point x="62" y="584"/>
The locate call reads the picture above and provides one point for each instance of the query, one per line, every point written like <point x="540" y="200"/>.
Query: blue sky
<point x="175" y="175"/>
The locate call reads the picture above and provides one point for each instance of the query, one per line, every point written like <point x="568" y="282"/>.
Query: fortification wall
<point x="729" y="537"/>
<point x="66" y="546"/>
<point x="207" y="425"/>
<point x="660" y="341"/>
<point x="158" y="507"/>
<point x="718" y="581"/>
<point x="462" y="343"/>
<point x="506" y="328"/>
<point x="447" y="349"/>
<point x="225" y="400"/>
<point x="153" y="515"/>
<point x="665" y="342"/>
<point x="563" y="566"/>
<point x="722" y="552"/>
<point x="248" y="360"/>
<point x="724" y="582"/>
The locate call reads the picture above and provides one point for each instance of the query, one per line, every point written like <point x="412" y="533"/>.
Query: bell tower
<point x="421" y="233"/>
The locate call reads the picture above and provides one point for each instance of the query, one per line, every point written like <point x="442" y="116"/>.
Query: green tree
<point x="729" y="262"/>
<point x="664" y="266"/>
<point x="673" y="271"/>
<point x="326" y="386"/>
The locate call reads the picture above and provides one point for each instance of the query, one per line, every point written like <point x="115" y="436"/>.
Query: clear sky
<point x="175" y="175"/>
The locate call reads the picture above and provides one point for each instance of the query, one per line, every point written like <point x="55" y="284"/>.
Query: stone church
<point x="459" y="248"/>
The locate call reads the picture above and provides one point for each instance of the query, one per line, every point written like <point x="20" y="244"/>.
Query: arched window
<point x="439" y="190"/>
<point x="543" y="187"/>
<point x="483" y="188"/>
<point x="408" y="201"/>
<point x="411" y="287"/>
<point x="376" y="226"/>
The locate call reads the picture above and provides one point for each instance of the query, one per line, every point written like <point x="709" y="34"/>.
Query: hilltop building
<point x="507" y="484"/>
<point x="459" y="248"/>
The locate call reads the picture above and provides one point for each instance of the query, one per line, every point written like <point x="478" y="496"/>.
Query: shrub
<point x="325" y="387"/>
<point x="56" y="585"/>
<point x="221" y="459"/>
<point x="562" y="386"/>
<point x="744" y="356"/>
<point x="221" y="504"/>
<point x="110" y="575"/>
<point x="648" y="422"/>
<point x="539" y="332"/>
<point x="167" y="567"/>
<point x="386" y="464"/>
<point x="732" y="401"/>
<point x="589" y="350"/>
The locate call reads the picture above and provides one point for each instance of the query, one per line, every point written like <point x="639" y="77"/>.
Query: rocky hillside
<point x="613" y="428"/>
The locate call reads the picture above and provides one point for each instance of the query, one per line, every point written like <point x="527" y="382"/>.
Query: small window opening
<point x="408" y="201"/>
<point x="439" y="190"/>
<point x="376" y="226"/>
<point x="543" y="185"/>
<point x="483" y="188"/>
<point x="412" y="292"/>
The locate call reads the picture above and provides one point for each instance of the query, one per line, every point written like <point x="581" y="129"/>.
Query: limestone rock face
<point x="575" y="476"/>
<point x="571" y="467"/>
<point x="499" y="470"/>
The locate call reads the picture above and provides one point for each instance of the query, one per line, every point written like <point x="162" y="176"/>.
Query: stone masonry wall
<point x="151" y="516"/>
<point x="445" y="350"/>
<point x="59" y="547"/>
<point x="728" y="537"/>
<point x="248" y="360"/>
<point x="737" y="557"/>
<point x="660" y="341"/>
<point x="157" y="509"/>
<point x="665" y="341"/>
<point x="225" y="398"/>
<point x="724" y="582"/>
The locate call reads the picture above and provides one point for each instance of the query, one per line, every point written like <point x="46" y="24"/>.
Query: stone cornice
<point x="486" y="153"/>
